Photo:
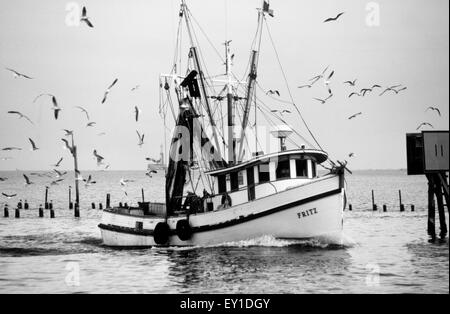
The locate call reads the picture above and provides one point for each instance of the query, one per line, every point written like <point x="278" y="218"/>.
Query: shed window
<point x="302" y="168"/>
<point x="283" y="168"/>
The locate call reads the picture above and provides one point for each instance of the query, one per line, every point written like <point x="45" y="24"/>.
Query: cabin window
<point x="313" y="169"/>
<point x="302" y="168"/>
<point x="234" y="178"/>
<point x="264" y="173"/>
<point x="283" y="170"/>
<point x="222" y="184"/>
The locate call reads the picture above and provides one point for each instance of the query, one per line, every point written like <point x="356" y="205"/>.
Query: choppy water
<point x="381" y="253"/>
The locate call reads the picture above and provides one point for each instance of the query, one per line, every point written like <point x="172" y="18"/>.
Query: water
<point x="380" y="253"/>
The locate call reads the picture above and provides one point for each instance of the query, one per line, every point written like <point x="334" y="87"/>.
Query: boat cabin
<point x="263" y="176"/>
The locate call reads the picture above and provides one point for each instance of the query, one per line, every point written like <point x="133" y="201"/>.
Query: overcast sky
<point x="133" y="40"/>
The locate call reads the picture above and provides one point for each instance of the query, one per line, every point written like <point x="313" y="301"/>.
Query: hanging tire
<point x="161" y="233"/>
<point x="184" y="230"/>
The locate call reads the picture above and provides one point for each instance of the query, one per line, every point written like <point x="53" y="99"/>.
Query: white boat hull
<point x="309" y="211"/>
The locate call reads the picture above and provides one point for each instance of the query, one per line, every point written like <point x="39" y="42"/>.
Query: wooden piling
<point x="93" y="205"/>
<point x="350" y="207"/>
<point x="143" y="196"/>
<point x="70" y="198"/>
<point x="50" y="206"/>
<point x="374" y="206"/>
<point x="413" y="208"/>
<point x="6" y="212"/>
<point x="46" y="198"/>
<point x="108" y="200"/>
<point x="26" y="205"/>
<point x="441" y="210"/>
<point x="100" y="206"/>
<point x="77" y="210"/>
<point x="385" y="208"/>
<point x="52" y="214"/>
<point x="19" y="205"/>
<point x="17" y="213"/>
<point x="41" y="212"/>
<point x="431" y="210"/>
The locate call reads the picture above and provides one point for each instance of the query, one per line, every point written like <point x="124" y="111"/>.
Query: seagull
<point x="124" y="182"/>
<point x="402" y="89"/>
<point x="105" y="97"/>
<point x="376" y="86"/>
<point x="425" y="124"/>
<point x="151" y="170"/>
<point x="55" y="182"/>
<point x="364" y="91"/>
<point x="91" y="124"/>
<point x="33" y="145"/>
<point x="84" y="111"/>
<point x="58" y="163"/>
<point x="85" y="19"/>
<point x="56" y="108"/>
<point x="18" y="75"/>
<point x="355" y="115"/>
<point x="333" y="19"/>
<point x="8" y="149"/>
<point x="141" y="139"/>
<point x="351" y="83"/>
<point x="21" y="115"/>
<point x="135" y="88"/>
<point x="306" y="86"/>
<point x="27" y="180"/>
<point x="281" y="112"/>
<point x="354" y="94"/>
<point x="98" y="157"/>
<point x="41" y="95"/>
<point x="59" y="174"/>
<point x="89" y="181"/>
<point x="137" y="112"/>
<point x="154" y="160"/>
<point x="323" y="101"/>
<point x="273" y="92"/>
<point x="68" y="132"/>
<point x="320" y="76"/>
<point x="351" y="155"/>
<point x="9" y="196"/>
<point x="435" y="109"/>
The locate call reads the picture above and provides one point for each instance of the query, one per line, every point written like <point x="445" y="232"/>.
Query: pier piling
<point x="100" y="206"/>
<point x="26" y="205"/>
<point x="52" y="214"/>
<point x="374" y="206"/>
<point x="350" y="207"/>
<point x="70" y="198"/>
<point x="93" y="205"/>
<point x="46" y="198"/>
<point x="41" y="212"/>
<point x="17" y="213"/>
<point x="385" y="208"/>
<point x="77" y="210"/>
<point x="6" y="212"/>
<point x="108" y="200"/>
<point x="413" y="208"/>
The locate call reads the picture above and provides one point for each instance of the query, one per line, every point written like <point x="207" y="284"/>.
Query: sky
<point x="134" y="42"/>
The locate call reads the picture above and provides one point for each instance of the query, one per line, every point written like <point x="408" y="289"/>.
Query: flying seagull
<point x="67" y="146"/>
<point x="136" y="113"/>
<point x="27" y="180"/>
<point x="333" y="19"/>
<point x="41" y="95"/>
<point x="124" y="182"/>
<point x="98" y="157"/>
<point x="68" y="132"/>
<point x="306" y="86"/>
<point x="18" y="75"/>
<point x="425" y="124"/>
<point x="58" y="163"/>
<point x="434" y="109"/>
<point x="355" y="115"/>
<point x="55" y="182"/>
<point x="89" y="181"/>
<point x="84" y="111"/>
<point x="21" y="115"/>
<point x="85" y="19"/>
<point x="364" y="91"/>
<point x="8" y="149"/>
<point x="59" y="174"/>
<point x="135" y="88"/>
<point x="354" y="94"/>
<point x="351" y="83"/>
<point x="90" y="124"/>
<point x="9" y="196"/>
<point x="33" y="145"/>
<point x="281" y="111"/>
<point x="376" y="86"/>
<point x="323" y="101"/>
<point x="320" y="76"/>
<point x="108" y="90"/>
<point x="56" y="108"/>
<point x="141" y="139"/>
<point x="351" y="155"/>
<point x="273" y="92"/>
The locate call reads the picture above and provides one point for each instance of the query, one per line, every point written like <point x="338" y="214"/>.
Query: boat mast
<point x="251" y="81"/>
<point x="202" y="82"/>
<point x="231" y="108"/>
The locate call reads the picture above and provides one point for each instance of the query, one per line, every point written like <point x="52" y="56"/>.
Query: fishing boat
<point x="222" y="185"/>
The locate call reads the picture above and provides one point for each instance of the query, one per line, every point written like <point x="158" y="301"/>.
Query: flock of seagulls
<point x="57" y="176"/>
